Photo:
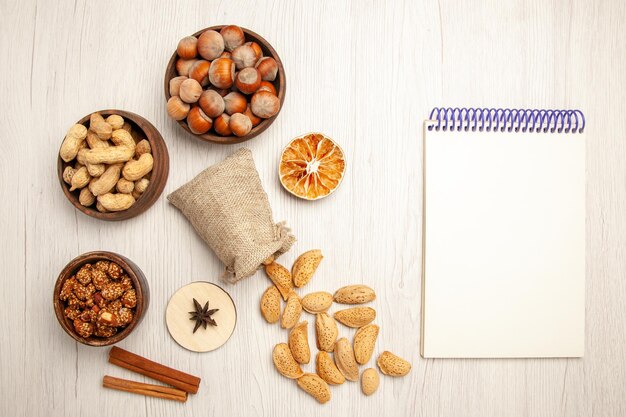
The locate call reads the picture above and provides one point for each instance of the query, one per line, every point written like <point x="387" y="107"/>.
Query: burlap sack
<point x="229" y="209"/>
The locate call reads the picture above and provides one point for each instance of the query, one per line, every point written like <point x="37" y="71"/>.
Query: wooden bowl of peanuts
<point x="113" y="165"/>
<point x="100" y="297"/>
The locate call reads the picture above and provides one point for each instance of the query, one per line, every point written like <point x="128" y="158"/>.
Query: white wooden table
<point x="365" y="73"/>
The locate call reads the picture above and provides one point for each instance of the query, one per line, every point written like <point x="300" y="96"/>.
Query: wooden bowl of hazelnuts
<point x="224" y="84"/>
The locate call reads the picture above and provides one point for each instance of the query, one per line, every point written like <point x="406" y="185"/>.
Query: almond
<point x="326" y="331"/>
<point x="304" y="267"/>
<point x="364" y="342"/>
<point x="315" y="386"/>
<point x="327" y="370"/>
<point x="356" y="316"/>
<point x="369" y="381"/>
<point x="317" y="302"/>
<point x="292" y="311"/>
<point x="285" y="363"/>
<point x="299" y="342"/>
<point x="344" y="358"/>
<point x="281" y="277"/>
<point x="354" y="294"/>
<point x="393" y="365"/>
<point x="270" y="304"/>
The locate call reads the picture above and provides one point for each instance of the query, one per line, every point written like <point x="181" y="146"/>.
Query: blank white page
<point x="504" y="245"/>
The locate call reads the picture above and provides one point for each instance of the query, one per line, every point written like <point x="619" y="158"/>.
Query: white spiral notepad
<point x="503" y="234"/>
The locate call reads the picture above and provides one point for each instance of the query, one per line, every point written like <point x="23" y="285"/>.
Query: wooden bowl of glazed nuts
<point x="100" y="297"/>
<point x="224" y="84"/>
<point x="113" y="165"/>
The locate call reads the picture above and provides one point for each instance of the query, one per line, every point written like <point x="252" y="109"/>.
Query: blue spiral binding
<point x="509" y="120"/>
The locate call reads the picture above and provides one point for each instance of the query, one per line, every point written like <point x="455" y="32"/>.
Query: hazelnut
<point x="183" y="66"/>
<point x="240" y="124"/>
<point x="267" y="86"/>
<point x="198" y="122"/>
<point x="253" y="118"/>
<point x="221" y="125"/>
<point x="235" y="103"/>
<point x="248" y="80"/>
<point x="264" y="104"/>
<point x="226" y="54"/>
<point x="199" y="71"/>
<point x="257" y="49"/>
<point x="244" y="57"/>
<point x="233" y="37"/>
<point x="177" y="109"/>
<point x="268" y="67"/>
<point x="175" y="85"/>
<point x="190" y="90"/>
<point x="187" y="47"/>
<point x="210" y="45"/>
<point x="222" y="73"/>
<point x="221" y="91"/>
<point x="211" y="103"/>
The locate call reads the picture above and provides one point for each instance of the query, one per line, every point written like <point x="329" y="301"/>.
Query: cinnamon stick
<point x="144" y="389"/>
<point x="143" y="366"/>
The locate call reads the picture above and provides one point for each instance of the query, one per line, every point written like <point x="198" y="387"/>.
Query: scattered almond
<point x="292" y="311"/>
<point x="317" y="302"/>
<point x="285" y="363"/>
<point x="305" y="266"/>
<point x="354" y="294"/>
<point x="393" y="365"/>
<point x="364" y="342"/>
<point x="270" y="304"/>
<point x="315" y="386"/>
<point x="327" y="370"/>
<point x="344" y="358"/>
<point x="356" y="316"/>
<point x="326" y="331"/>
<point x="369" y="381"/>
<point x="281" y="277"/>
<point x="299" y="343"/>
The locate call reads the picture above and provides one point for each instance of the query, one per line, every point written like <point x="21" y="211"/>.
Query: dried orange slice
<point x="311" y="166"/>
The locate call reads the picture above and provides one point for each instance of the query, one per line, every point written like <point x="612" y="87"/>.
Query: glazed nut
<point x="175" y="84"/>
<point x="190" y="90"/>
<point x="268" y="67"/>
<point x="240" y="124"/>
<point x="177" y="109"/>
<point x="211" y="103"/>
<point x="264" y="104"/>
<point x="233" y="37"/>
<point x="198" y="122"/>
<point x="199" y="71"/>
<point x="235" y="102"/>
<point x="187" y="47"/>
<point x="257" y="49"/>
<point x="244" y="56"/>
<point x="222" y="73"/>
<point x="210" y="45"/>
<point x="248" y="80"/>
<point x="221" y="125"/>
<point x="183" y="66"/>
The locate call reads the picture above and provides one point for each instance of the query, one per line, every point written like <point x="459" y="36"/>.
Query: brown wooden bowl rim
<point x="158" y="177"/>
<point x="258" y="129"/>
<point x="140" y="284"/>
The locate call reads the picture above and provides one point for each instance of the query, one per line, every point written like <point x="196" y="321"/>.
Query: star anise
<point x="202" y="315"/>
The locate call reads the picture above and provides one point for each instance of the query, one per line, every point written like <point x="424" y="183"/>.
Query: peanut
<point x="110" y="155"/>
<point x="68" y="172"/>
<point x="116" y="202"/>
<point x="107" y="181"/>
<point x="120" y="137"/>
<point x="80" y="179"/>
<point x="115" y="121"/>
<point x="134" y="170"/>
<point x="143" y="147"/>
<point x="127" y="127"/>
<point x="95" y="170"/>
<point x="72" y="142"/>
<point x="86" y="198"/>
<point x="125" y="186"/>
<point x="95" y="142"/>
<point x="99" y="126"/>
<point x="142" y="185"/>
<point x="101" y="208"/>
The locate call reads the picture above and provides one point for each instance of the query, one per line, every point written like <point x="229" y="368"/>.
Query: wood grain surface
<point x="366" y="74"/>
